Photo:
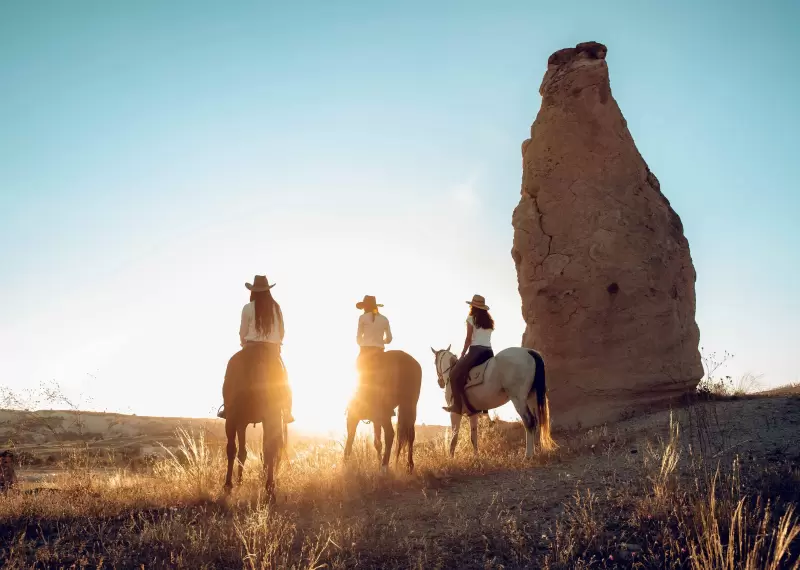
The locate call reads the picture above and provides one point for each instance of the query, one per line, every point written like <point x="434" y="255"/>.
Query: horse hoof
<point x="384" y="469"/>
<point x="227" y="488"/>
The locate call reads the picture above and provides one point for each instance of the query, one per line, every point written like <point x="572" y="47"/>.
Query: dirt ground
<point x="603" y="460"/>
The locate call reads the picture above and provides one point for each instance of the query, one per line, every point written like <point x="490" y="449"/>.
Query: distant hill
<point x="788" y="390"/>
<point x="47" y="434"/>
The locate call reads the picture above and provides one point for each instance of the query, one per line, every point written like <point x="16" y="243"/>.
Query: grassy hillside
<point x="713" y="485"/>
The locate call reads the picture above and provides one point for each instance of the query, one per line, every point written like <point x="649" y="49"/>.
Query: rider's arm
<point x="244" y="326"/>
<point x="468" y="340"/>
<point x="387" y="335"/>
<point x="360" y="332"/>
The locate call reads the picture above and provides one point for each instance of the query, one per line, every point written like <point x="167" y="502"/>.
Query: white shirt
<point x="248" y="331"/>
<point x="373" y="332"/>
<point x="480" y="337"/>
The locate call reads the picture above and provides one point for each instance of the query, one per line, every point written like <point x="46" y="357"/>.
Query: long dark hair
<point x="265" y="311"/>
<point x="482" y="318"/>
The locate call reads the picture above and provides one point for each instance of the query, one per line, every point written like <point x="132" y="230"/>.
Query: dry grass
<point x="663" y="508"/>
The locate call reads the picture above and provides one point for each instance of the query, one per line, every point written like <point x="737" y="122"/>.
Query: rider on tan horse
<point x="261" y="334"/>
<point x="372" y="336"/>
<point x="477" y="350"/>
<point x="388" y="380"/>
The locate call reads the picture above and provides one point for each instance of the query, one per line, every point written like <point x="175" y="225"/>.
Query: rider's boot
<point x="456" y="407"/>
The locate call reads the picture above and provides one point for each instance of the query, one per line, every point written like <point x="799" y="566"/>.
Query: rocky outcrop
<point x="604" y="270"/>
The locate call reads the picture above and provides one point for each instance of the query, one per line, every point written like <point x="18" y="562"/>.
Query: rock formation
<point x="604" y="270"/>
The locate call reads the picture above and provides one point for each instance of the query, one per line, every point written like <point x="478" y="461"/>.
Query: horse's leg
<point x="528" y="421"/>
<point x="352" y="424"/>
<point x="388" y="431"/>
<point x="410" y="443"/>
<point x="377" y="439"/>
<point x="270" y="451"/>
<point x="242" y="455"/>
<point x="455" y="425"/>
<point x="473" y="432"/>
<point x="230" y="433"/>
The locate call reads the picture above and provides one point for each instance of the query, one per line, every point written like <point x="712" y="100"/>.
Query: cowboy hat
<point x="259" y="284"/>
<point x="368" y="303"/>
<point x="478" y="302"/>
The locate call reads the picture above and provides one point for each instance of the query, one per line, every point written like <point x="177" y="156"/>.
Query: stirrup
<point x="221" y="412"/>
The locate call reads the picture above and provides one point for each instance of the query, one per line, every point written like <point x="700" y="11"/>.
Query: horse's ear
<point x="433" y="351"/>
<point x="448" y="347"/>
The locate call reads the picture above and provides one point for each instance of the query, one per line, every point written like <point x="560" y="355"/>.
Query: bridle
<point x="439" y="373"/>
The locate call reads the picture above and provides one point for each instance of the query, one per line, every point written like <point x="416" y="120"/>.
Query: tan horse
<point x="400" y="380"/>
<point x="248" y="400"/>
<point x="517" y="374"/>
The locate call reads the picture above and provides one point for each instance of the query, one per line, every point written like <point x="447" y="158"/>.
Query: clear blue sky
<point x="154" y="155"/>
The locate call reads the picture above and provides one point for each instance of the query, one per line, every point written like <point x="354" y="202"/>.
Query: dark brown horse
<point x="398" y="378"/>
<point x="250" y="398"/>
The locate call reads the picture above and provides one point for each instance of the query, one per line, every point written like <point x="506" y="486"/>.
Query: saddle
<point x="372" y="398"/>
<point x="478" y="374"/>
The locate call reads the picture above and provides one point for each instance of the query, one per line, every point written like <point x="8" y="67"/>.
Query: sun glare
<point x="323" y="382"/>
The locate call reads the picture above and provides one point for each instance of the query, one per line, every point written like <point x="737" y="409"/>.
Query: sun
<point x="323" y="381"/>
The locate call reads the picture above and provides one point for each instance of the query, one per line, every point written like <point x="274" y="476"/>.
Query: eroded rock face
<point x="604" y="270"/>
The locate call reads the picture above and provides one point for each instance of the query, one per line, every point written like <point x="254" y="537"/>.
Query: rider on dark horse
<point x="261" y="335"/>
<point x="477" y="350"/>
<point x="372" y="336"/>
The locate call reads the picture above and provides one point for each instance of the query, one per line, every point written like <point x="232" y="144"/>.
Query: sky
<point x="155" y="155"/>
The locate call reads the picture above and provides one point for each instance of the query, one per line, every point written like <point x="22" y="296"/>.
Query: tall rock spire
<point x="604" y="270"/>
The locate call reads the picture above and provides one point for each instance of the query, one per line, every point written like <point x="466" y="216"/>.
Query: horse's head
<point x="444" y="360"/>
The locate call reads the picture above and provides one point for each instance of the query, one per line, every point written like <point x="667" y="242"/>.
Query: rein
<point x="441" y="374"/>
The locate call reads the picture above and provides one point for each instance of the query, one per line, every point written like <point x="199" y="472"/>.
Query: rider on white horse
<point x="477" y="350"/>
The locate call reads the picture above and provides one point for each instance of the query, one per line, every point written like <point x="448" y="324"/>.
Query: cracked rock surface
<point x="604" y="270"/>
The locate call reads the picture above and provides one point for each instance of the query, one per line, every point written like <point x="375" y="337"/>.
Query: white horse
<point x="517" y="374"/>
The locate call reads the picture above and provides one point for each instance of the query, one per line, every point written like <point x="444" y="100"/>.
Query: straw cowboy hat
<point x="368" y="303"/>
<point x="259" y="284"/>
<point x="478" y="302"/>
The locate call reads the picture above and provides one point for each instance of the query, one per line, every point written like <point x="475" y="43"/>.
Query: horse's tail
<point x="284" y="450"/>
<point x="542" y="408"/>
<point x="406" y="418"/>
<point x="408" y="390"/>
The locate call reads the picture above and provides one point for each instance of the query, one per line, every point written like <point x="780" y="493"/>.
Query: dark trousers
<point x="364" y="354"/>
<point x="476" y="355"/>
<point x="371" y="390"/>
<point x="258" y="367"/>
<point x="367" y="361"/>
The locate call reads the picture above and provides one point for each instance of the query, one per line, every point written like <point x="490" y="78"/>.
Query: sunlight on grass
<point x="193" y="464"/>
<point x="332" y="514"/>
